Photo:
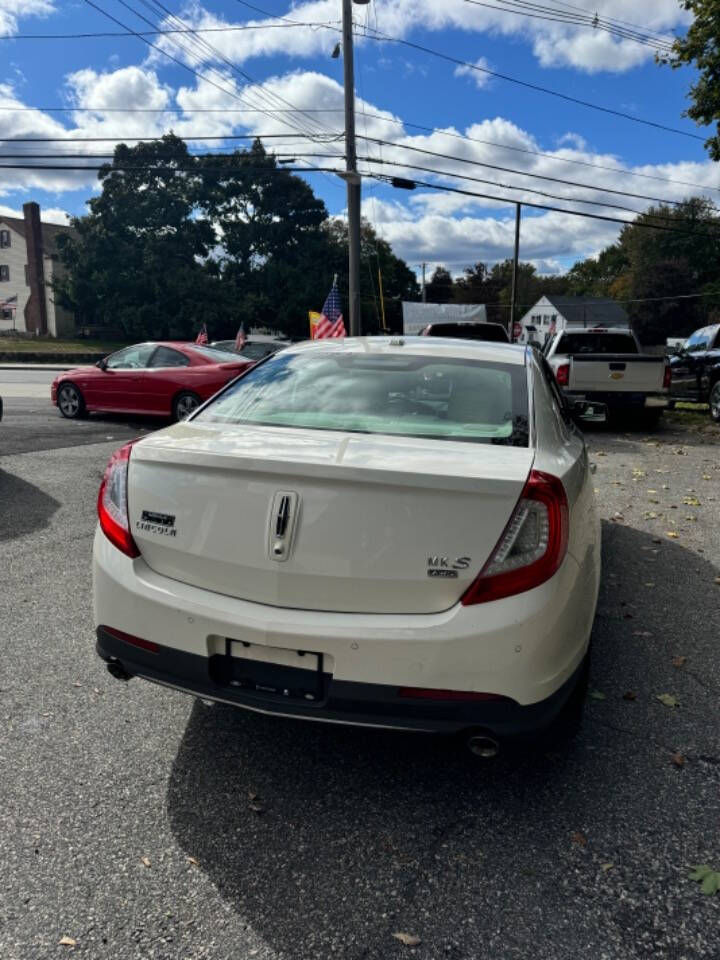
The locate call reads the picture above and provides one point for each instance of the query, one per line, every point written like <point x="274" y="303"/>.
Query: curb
<point x="49" y="367"/>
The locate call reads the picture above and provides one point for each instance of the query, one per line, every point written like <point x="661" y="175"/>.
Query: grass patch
<point x="43" y="345"/>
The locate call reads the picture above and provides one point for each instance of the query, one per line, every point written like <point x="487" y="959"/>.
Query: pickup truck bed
<point x="617" y="379"/>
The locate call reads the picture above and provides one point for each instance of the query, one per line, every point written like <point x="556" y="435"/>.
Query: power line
<point x="556" y="15"/>
<point x="401" y="122"/>
<point x="540" y="206"/>
<point x="522" y="173"/>
<point x="384" y="38"/>
<point x="162" y="33"/>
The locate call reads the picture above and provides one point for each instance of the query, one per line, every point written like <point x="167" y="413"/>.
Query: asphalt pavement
<point x="139" y="823"/>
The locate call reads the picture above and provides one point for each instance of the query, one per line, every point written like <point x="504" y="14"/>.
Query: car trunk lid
<point x="366" y="523"/>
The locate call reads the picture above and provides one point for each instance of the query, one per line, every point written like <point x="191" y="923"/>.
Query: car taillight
<point x="667" y="377"/>
<point x="532" y="546"/>
<point x="113" y="503"/>
<point x="562" y="375"/>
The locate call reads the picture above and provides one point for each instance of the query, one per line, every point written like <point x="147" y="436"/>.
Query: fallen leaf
<point x="193" y="860"/>
<point x="679" y="661"/>
<point x="409" y="939"/>
<point x="251" y="795"/>
<point x="606" y="866"/>
<point x="67" y="942"/>
<point x="578" y="838"/>
<point x="630" y="695"/>
<point x="708" y="879"/>
<point x="76" y="683"/>
<point x="596" y="695"/>
<point x="652" y="491"/>
<point x="601" y="453"/>
<point x="668" y="700"/>
<point x="145" y="860"/>
<point x="706" y="476"/>
<point x="691" y="501"/>
<point x="717" y="581"/>
<point x="672" y="534"/>
<point x="256" y="807"/>
<point x="678" y="759"/>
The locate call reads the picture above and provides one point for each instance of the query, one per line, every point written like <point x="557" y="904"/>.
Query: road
<point x="126" y="810"/>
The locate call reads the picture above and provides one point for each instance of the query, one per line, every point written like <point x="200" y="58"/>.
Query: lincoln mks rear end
<point x="386" y="532"/>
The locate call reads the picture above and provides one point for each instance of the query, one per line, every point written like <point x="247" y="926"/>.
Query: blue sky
<point x="291" y="66"/>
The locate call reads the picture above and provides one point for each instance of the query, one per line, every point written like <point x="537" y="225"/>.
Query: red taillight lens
<point x="562" y="375"/>
<point x="667" y="377"/>
<point x="533" y="544"/>
<point x="132" y="639"/>
<point x="113" y="505"/>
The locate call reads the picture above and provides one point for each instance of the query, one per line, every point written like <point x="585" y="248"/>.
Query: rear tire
<point x="184" y="404"/>
<point x="71" y="402"/>
<point x="714" y="400"/>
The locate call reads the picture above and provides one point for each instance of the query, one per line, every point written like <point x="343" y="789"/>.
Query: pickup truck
<point x="607" y="366"/>
<point x="696" y="370"/>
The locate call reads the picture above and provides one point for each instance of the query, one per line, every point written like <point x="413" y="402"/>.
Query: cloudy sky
<point x="266" y="68"/>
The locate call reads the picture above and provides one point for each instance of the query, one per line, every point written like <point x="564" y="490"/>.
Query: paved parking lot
<point x="127" y="812"/>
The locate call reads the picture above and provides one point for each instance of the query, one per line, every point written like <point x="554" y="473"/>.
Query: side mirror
<point x="102" y="363"/>
<point x="587" y="412"/>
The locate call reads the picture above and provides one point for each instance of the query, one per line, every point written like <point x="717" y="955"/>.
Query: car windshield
<point x="574" y="343"/>
<point x="212" y="354"/>
<point x="410" y="396"/>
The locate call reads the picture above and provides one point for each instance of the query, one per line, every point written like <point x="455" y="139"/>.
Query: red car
<point x="168" y="379"/>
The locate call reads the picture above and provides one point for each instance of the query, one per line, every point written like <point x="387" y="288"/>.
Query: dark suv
<point x="476" y="330"/>
<point x="696" y="370"/>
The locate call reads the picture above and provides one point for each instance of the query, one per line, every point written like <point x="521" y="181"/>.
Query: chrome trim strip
<point x="287" y="716"/>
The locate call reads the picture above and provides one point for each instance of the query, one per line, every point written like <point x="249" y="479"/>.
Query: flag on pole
<point x="9" y="304"/>
<point x="331" y="321"/>
<point x="240" y="339"/>
<point x="202" y="337"/>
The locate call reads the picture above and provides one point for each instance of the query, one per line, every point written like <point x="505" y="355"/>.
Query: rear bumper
<point x="525" y="649"/>
<point x="628" y="401"/>
<point x="345" y="702"/>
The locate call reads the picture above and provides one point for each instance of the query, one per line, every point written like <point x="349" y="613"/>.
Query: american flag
<point x="9" y="304"/>
<point x="331" y="323"/>
<point x="240" y="339"/>
<point x="202" y="337"/>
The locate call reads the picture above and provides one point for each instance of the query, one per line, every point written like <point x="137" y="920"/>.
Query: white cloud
<point x="553" y="43"/>
<point x="12" y="10"/>
<point x="479" y="78"/>
<point x="49" y="214"/>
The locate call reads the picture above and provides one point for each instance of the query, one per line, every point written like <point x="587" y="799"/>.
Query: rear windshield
<point x="408" y="396"/>
<point x="212" y="354"/>
<point x="492" y="332"/>
<point x="574" y="343"/>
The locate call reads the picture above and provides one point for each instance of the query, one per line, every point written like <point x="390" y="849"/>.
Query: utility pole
<point x="424" y="292"/>
<point x="351" y="177"/>
<point x="513" y="294"/>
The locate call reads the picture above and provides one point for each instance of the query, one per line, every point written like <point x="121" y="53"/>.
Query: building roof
<point x="597" y="310"/>
<point x="50" y="231"/>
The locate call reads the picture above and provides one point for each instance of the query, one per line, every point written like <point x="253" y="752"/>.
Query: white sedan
<point x="390" y="532"/>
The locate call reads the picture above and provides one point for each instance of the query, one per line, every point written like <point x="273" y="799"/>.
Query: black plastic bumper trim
<point x="359" y="704"/>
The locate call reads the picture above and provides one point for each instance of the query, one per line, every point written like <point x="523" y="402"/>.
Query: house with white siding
<point x="28" y="263"/>
<point x="553" y="313"/>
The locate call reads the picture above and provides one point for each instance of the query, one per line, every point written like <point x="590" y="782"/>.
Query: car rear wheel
<point x="70" y="401"/>
<point x="715" y="401"/>
<point x="184" y="404"/>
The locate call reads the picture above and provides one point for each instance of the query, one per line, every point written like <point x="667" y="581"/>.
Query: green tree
<point x="440" y="289"/>
<point x="700" y="48"/>
<point x="139" y="260"/>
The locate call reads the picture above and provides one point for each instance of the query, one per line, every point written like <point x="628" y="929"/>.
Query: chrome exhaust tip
<point x="482" y="745"/>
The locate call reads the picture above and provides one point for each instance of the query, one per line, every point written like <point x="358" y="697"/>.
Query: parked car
<point x="696" y="370"/>
<point x="168" y="379"/>
<point x="256" y="346"/>
<point x="475" y="330"/>
<point x="389" y="532"/>
<point x="608" y="366"/>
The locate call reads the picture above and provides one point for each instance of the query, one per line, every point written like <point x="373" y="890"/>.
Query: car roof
<point x="418" y="346"/>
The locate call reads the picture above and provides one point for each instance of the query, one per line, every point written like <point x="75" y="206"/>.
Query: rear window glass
<point x="574" y="343"/>
<point x="212" y="354"/>
<point x="409" y="396"/>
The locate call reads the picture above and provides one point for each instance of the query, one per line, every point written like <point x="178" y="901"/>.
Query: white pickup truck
<point x="607" y="366"/>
